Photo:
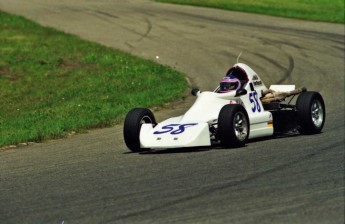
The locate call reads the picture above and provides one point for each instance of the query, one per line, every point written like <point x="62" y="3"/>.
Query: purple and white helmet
<point x="229" y="83"/>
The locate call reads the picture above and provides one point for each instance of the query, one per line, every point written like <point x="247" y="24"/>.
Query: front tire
<point x="233" y="126"/>
<point x="131" y="129"/>
<point x="311" y="112"/>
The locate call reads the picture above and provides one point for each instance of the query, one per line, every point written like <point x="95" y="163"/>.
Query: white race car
<point x="240" y="108"/>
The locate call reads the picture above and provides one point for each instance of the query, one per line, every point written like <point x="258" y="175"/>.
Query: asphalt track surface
<point x="93" y="178"/>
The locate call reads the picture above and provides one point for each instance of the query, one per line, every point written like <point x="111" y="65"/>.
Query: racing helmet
<point x="229" y="83"/>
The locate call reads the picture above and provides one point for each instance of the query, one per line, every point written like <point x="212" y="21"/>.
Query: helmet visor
<point x="228" y="86"/>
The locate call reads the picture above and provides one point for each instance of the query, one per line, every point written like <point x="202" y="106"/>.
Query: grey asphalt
<point x="93" y="178"/>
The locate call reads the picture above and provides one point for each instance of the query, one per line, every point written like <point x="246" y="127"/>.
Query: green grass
<point x="317" y="10"/>
<point x="52" y="83"/>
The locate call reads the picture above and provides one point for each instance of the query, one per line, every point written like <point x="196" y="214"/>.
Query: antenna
<point x="238" y="57"/>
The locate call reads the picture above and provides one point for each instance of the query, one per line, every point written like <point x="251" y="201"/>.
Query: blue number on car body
<point x="253" y="98"/>
<point x="174" y="129"/>
<point x="166" y="129"/>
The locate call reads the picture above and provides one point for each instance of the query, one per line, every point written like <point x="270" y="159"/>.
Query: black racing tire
<point x="131" y="129"/>
<point x="233" y="126"/>
<point x="311" y="112"/>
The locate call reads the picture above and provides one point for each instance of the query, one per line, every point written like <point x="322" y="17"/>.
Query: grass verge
<point x="52" y="83"/>
<point x="317" y="10"/>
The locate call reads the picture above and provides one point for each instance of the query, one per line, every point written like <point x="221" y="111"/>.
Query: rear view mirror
<point x="195" y="91"/>
<point x="241" y="92"/>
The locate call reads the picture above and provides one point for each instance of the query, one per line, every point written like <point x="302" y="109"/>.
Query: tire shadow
<point x="214" y="146"/>
<point x="176" y="150"/>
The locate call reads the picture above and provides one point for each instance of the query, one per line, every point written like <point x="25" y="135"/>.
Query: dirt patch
<point x="7" y="74"/>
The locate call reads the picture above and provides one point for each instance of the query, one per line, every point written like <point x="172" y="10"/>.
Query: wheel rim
<point x="240" y="126"/>
<point x="146" y="120"/>
<point x="317" y="113"/>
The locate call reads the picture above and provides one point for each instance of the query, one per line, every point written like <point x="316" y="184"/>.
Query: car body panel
<point x="170" y="134"/>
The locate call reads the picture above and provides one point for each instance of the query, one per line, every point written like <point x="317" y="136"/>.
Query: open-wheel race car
<point x="239" y="109"/>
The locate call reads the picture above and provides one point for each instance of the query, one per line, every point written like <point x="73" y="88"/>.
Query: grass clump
<point x="317" y="10"/>
<point x="52" y="83"/>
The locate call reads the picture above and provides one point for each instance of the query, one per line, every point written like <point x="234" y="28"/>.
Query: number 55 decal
<point x="174" y="129"/>
<point x="253" y="98"/>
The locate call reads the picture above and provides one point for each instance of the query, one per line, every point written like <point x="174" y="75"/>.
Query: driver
<point x="228" y="84"/>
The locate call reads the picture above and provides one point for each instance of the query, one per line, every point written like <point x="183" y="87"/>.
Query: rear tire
<point x="131" y="129"/>
<point x="311" y="112"/>
<point x="233" y="126"/>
